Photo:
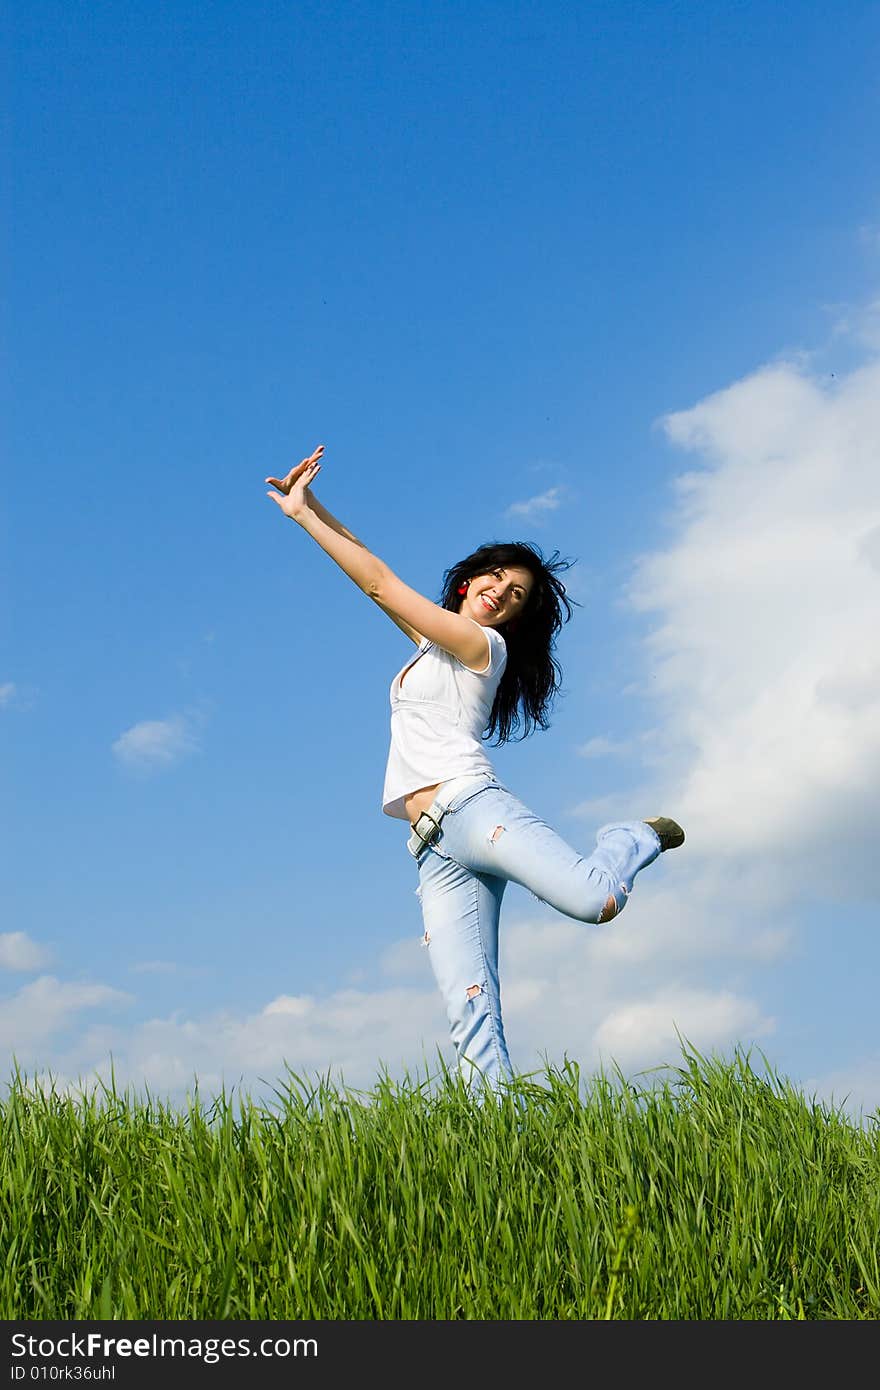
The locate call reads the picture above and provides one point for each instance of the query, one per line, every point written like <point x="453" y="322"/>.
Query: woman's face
<point x="497" y="596"/>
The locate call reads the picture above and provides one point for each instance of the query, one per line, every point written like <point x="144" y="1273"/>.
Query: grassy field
<point x="715" y="1193"/>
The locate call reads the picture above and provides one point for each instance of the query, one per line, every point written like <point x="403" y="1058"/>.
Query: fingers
<point x="285" y="484"/>
<point x="308" y="475"/>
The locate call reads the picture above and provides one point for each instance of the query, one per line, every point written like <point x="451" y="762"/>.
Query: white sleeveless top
<point x="438" y="717"/>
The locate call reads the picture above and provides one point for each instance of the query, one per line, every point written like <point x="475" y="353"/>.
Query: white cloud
<point x="290" y="1006"/>
<point x="602" y="748"/>
<point x="535" y="507"/>
<point x="764" y="656"/>
<point x="347" y="1033"/>
<point x="7" y="690"/>
<point x="155" y="743"/>
<point x="641" y="1032"/>
<point x="41" y="1009"/>
<point x="18" y="952"/>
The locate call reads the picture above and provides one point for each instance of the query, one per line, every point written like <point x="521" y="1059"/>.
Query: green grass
<point x="714" y="1193"/>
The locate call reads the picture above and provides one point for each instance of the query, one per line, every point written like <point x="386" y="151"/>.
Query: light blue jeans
<point x="487" y="839"/>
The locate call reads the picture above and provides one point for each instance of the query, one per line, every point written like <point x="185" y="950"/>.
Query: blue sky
<point x="603" y="277"/>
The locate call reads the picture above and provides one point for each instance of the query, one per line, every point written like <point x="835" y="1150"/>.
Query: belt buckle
<point x="431" y="835"/>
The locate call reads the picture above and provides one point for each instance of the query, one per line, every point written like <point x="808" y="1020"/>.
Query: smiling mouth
<point x="492" y="608"/>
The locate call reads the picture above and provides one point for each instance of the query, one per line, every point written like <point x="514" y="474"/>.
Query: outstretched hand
<point x="292" y="494"/>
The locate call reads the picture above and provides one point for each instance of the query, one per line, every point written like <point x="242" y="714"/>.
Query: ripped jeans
<point x="487" y="839"/>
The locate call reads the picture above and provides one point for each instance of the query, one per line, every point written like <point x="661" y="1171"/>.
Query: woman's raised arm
<point x="410" y="610"/>
<point x="285" y="484"/>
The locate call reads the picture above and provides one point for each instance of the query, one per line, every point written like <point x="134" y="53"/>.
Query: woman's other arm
<point x="410" y="610"/>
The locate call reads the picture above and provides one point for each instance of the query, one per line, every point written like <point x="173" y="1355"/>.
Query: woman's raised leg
<point x="495" y="833"/>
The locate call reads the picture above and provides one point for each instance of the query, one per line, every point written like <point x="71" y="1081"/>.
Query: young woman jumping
<point x="484" y="666"/>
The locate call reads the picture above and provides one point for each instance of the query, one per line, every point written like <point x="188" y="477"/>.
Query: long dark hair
<point x="532" y="676"/>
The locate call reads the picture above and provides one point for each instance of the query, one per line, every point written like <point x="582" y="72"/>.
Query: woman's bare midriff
<point x="419" y="801"/>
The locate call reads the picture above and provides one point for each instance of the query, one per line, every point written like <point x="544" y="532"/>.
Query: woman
<point x="484" y="666"/>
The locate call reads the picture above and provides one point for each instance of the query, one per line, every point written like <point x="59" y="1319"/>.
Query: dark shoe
<point x="670" y="832"/>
